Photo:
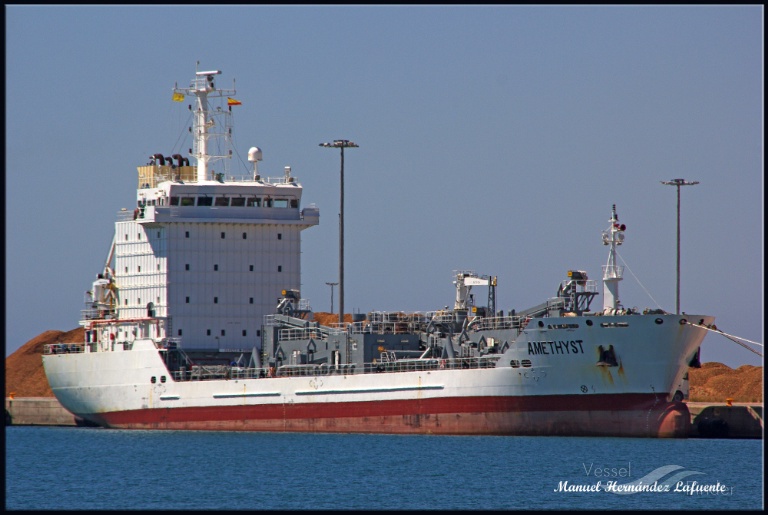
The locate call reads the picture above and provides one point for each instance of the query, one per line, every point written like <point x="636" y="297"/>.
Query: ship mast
<point x="612" y="273"/>
<point x="205" y="128"/>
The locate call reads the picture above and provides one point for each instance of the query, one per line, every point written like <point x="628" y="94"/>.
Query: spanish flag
<point x="232" y="102"/>
<point x="178" y="97"/>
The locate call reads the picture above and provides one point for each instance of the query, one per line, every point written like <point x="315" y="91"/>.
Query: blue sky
<point x="492" y="138"/>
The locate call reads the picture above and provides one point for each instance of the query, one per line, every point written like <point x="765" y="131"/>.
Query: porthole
<point x="541" y="324"/>
<point x="153" y="380"/>
<point x="683" y="321"/>
<point x="589" y="323"/>
<point x="659" y="321"/>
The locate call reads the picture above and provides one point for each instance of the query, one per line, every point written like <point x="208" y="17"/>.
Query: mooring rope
<point x="734" y="339"/>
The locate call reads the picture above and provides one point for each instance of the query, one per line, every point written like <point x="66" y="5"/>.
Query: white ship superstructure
<point x="204" y="254"/>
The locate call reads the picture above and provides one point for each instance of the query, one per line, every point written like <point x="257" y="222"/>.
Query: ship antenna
<point x="612" y="273"/>
<point x="205" y="127"/>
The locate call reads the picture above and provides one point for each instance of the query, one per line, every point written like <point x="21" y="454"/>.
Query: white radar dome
<point x="254" y="154"/>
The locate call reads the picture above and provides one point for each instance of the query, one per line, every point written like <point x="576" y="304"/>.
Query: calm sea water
<point x="54" y="468"/>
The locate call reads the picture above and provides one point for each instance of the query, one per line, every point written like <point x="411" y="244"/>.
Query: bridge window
<point x="222" y="201"/>
<point x="281" y="202"/>
<point x="204" y="201"/>
<point x="174" y="201"/>
<point x="253" y="202"/>
<point x="237" y="202"/>
<point x="187" y="201"/>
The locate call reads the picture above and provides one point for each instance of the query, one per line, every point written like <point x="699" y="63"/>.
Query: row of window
<point x="215" y="268"/>
<point x="223" y="332"/>
<point x="215" y="300"/>
<point x="223" y="235"/>
<point x="186" y="301"/>
<point x="139" y="268"/>
<point x="225" y="201"/>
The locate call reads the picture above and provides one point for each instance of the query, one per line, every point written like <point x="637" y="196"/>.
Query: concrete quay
<point x="708" y="420"/>
<point x="36" y="411"/>
<point x="737" y="420"/>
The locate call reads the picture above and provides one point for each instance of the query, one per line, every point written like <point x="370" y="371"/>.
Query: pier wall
<point x="37" y="411"/>
<point x="739" y="420"/>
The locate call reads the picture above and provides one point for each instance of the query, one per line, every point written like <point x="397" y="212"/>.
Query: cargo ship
<point x="196" y="322"/>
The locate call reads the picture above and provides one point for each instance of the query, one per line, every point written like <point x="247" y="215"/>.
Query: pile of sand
<point x="24" y="373"/>
<point x="331" y="318"/>
<point x="713" y="382"/>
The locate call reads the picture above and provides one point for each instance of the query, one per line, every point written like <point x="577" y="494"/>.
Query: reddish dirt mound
<point x="24" y="374"/>
<point x="713" y="382"/>
<point x="331" y="318"/>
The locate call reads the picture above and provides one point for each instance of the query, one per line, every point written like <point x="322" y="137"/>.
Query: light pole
<point x="678" y="183"/>
<point x="341" y="144"/>
<point x="331" y="285"/>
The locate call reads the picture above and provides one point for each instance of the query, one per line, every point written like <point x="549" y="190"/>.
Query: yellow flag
<point x="178" y="97"/>
<point x="232" y="102"/>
